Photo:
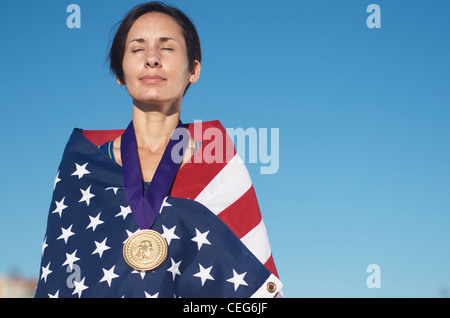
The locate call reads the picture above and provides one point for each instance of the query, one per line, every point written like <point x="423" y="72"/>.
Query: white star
<point x="87" y="195"/>
<point x="169" y="234"/>
<point x="124" y="211"/>
<point x="57" y="179"/>
<point x="142" y="273"/>
<point x="237" y="280"/>
<point x="94" y="222"/>
<point x="81" y="170"/>
<point x="45" y="272"/>
<point x="164" y="204"/>
<point x="56" y="295"/>
<point x="115" y="189"/>
<point x="70" y="259"/>
<point x="204" y="274"/>
<point x="66" y="233"/>
<point x="44" y="245"/>
<point x="108" y="276"/>
<point x="79" y="287"/>
<point x="200" y="238"/>
<point x="174" y="268"/>
<point x="147" y="295"/>
<point x="129" y="234"/>
<point x="100" y="248"/>
<point x="60" y="206"/>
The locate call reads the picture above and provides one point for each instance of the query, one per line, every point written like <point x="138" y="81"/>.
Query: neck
<point x="153" y="125"/>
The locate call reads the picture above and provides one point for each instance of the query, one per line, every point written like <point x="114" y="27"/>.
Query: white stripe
<point x="228" y="185"/>
<point x="257" y="242"/>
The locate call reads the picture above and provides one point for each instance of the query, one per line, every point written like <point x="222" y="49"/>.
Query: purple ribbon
<point x="145" y="209"/>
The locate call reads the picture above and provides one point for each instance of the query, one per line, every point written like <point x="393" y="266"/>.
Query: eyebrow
<point x="161" y="39"/>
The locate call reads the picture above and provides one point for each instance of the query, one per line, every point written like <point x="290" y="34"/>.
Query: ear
<point x="195" y="75"/>
<point x="119" y="82"/>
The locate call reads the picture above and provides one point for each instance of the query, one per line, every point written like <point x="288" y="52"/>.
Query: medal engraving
<point x="145" y="250"/>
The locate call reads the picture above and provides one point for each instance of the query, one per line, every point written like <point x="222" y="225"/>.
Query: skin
<point x="156" y="73"/>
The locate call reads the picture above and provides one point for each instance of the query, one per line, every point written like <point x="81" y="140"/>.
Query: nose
<point x="153" y="63"/>
<point x="153" y="60"/>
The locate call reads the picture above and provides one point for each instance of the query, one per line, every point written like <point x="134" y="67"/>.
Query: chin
<point x="149" y="97"/>
<point x="155" y="100"/>
<point x="154" y="95"/>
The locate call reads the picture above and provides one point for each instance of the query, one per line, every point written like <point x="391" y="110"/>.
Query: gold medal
<point x="145" y="250"/>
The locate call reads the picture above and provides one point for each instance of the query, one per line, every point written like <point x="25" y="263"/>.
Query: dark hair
<point x="190" y="34"/>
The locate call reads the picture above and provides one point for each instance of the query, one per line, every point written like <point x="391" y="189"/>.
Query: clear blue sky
<point x="363" y="114"/>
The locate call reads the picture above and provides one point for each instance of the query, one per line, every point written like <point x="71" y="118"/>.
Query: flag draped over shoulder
<point x="217" y="241"/>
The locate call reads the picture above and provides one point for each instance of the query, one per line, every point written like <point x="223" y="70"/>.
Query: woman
<point x="157" y="210"/>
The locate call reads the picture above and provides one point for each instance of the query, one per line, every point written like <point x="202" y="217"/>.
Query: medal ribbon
<point x="146" y="208"/>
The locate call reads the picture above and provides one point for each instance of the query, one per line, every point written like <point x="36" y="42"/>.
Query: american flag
<point x="217" y="240"/>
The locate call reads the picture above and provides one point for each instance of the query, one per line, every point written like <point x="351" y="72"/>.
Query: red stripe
<point x="243" y="215"/>
<point x="270" y="265"/>
<point x="194" y="176"/>
<point x="99" y="137"/>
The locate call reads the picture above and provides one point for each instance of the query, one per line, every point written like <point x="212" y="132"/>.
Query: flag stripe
<point x="200" y="168"/>
<point x="99" y="137"/>
<point x="270" y="265"/>
<point x="243" y="215"/>
<point x="224" y="186"/>
<point x="257" y="242"/>
<point x="238" y="208"/>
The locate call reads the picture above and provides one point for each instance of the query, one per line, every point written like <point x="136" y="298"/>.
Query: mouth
<point x="152" y="79"/>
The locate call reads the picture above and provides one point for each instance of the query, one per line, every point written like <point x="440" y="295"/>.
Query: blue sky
<point x="363" y="115"/>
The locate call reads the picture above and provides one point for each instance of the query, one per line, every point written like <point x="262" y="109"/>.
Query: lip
<point x="152" y="79"/>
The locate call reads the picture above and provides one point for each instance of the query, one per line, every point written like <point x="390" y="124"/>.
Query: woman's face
<point x="155" y="63"/>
